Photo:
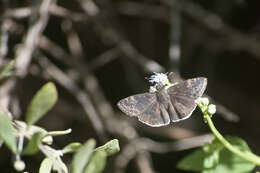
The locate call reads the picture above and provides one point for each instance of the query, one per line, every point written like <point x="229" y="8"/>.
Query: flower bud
<point x="212" y="109"/>
<point x="19" y="165"/>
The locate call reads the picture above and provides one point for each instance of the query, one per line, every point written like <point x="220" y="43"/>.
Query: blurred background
<point x="98" y="52"/>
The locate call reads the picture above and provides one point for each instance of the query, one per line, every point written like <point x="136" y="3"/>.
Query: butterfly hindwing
<point x="183" y="108"/>
<point x="156" y="115"/>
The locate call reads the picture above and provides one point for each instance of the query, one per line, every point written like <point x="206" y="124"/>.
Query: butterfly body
<point x="168" y="103"/>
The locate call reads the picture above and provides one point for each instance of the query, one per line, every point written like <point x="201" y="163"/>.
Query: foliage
<point x="86" y="158"/>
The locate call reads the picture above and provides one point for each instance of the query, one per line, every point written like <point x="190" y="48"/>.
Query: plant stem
<point x="245" y="155"/>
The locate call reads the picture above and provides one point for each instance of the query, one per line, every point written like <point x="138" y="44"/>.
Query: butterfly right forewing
<point x="183" y="96"/>
<point x="191" y="88"/>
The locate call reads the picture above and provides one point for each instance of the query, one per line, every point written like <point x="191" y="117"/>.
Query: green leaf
<point x="33" y="146"/>
<point x="46" y="166"/>
<point x="217" y="159"/>
<point x="72" y="147"/>
<point x="7" y="70"/>
<point x="231" y="163"/>
<point x="211" y="159"/>
<point x="7" y="132"/>
<point x="212" y="153"/>
<point x="97" y="162"/>
<point x="110" y="147"/>
<point x="81" y="158"/>
<point x="41" y="103"/>
<point x="193" y="162"/>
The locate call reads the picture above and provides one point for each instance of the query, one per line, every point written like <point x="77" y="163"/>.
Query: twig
<point x="143" y="10"/>
<point x="68" y="14"/>
<point x="18" y="13"/>
<point x="24" y="52"/>
<point x="54" y="49"/>
<point x="4" y="38"/>
<point x="144" y="162"/>
<point x="175" y="34"/>
<point x="104" y="58"/>
<point x="56" y="10"/>
<point x="73" y="40"/>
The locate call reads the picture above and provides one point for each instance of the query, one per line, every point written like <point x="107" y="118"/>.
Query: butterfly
<point x="166" y="102"/>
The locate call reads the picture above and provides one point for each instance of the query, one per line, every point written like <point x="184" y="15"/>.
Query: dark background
<point x="103" y="50"/>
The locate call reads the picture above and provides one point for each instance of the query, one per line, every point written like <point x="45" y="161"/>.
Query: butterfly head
<point x="159" y="78"/>
<point x="159" y="81"/>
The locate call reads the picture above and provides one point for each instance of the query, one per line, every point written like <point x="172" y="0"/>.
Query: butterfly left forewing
<point x="136" y="104"/>
<point x="147" y="108"/>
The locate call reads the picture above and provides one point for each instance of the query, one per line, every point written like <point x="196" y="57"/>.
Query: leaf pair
<point x="87" y="159"/>
<point x="90" y="160"/>
<point x="214" y="158"/>
<point x="41" y="103"/>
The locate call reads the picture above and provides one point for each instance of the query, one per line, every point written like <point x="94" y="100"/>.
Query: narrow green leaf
<point x="6" y="71"/>
<point x="41" y="103"/>
<point x="97" y="162"/>
<point x="46" y="166"/>
<point x="110" y="147"/>
<point x="59" y="133"/>
<point x="81" y="158"/>
<point x="192" y="162"/>
<point x="7" y="132"/>
<point x="72" y="147"/>
<point x="33" y="146"/>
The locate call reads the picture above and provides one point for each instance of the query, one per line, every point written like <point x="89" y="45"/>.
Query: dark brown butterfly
<point x="168" y="103"/>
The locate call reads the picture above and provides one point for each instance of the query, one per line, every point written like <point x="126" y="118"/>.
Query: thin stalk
<point x="245" y="155"/>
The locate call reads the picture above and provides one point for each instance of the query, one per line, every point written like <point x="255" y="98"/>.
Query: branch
<point x="80" y="95"/>
<point x="140" y="144"/>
